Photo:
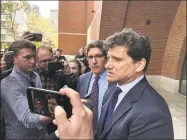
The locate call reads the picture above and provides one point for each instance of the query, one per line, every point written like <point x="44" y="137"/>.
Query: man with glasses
<point x="93" y="85"/>
<point x="19" y="121"/>
<point x="45" y="55"/>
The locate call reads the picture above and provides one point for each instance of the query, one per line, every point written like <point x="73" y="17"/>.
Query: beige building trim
<point x="168" y="84"/>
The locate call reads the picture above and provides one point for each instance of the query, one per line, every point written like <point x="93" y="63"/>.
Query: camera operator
<point x="20" y="122"/>
<point x="54" y="80"/>
<point x="58" y="56"/>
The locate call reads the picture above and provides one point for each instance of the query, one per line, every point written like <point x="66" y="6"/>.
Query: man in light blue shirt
<point x="96" y="56"/>
<point x="20" y="123"/>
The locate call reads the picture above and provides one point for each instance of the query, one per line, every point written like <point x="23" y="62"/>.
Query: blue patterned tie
<point x="95" y="97"/>
<point x="112" y="103"/>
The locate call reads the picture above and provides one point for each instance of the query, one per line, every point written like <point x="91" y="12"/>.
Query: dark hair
<point x="78" y="64"/>
<point x="59" y="50"/>
<point x="138" y="45"/>
<point x="50" y="96"/>
<point x="85" y="62"/>
<point x="44" y="47"/>
<point x="36" y="99"/>
<point x="97" y="44"/>
<point x="18" y="45"/>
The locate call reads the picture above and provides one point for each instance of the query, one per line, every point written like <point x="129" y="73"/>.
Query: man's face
<point x="96" y="60"/>
<point x="44" y="56"/>
<point x="25" y="60"/>
<point x="81" y="51"/>
<point x="38" y="105"/>
<point x="121" y="68"/>
<point x="58" y="53"/>
<point x="52" y="103"/>
<point x="73" y="67"/>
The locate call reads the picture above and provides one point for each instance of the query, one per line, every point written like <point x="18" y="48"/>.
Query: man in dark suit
<point x="137" y="111"/>
<point x="134" y="109"/>
<point x="93" y="85"/>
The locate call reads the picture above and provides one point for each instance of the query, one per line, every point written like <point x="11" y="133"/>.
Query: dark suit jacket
<point x="142" y="114"/>
<point x="83" y="84"/>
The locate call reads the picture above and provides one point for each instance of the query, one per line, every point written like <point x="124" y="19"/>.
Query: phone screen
<point x="43" y="101"/>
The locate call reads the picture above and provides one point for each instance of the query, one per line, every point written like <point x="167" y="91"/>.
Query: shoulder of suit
<point x="86" y="75"/>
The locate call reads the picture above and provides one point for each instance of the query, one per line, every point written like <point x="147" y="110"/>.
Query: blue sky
<point x="45" y="6"/>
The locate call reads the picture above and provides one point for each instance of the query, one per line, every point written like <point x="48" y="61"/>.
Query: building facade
<point x="163" y="21"/>
<point x="6" y="33"/>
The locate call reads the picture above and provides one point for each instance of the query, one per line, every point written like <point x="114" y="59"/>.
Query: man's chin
<point x="111" y="79"/>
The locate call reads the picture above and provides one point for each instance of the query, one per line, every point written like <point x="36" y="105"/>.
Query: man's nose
<point x="33" y="59"/>
<point x="94" y="60"/>
<point x="108" y="65"/>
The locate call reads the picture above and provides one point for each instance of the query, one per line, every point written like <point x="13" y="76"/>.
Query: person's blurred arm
<point x="79" y="125"/>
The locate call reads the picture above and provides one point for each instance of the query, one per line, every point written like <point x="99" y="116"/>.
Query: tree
<point x="12" y="7"/>
<point x="31" y="18"/>
<point x="40" y="24"/>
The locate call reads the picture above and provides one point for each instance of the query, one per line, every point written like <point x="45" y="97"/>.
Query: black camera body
<point x="55" y="66"/>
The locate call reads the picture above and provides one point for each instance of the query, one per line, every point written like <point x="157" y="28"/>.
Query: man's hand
<point x="29" y="37"/>
<point x="79" y="126"/>
<point x="66" y="70"/>
<point x="45" y="120"/>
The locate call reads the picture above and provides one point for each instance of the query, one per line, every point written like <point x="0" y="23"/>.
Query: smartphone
<point x="53" y="66"/>
<point x="37" y="37"/>
<point x="43" y="102"/>
<point x="9" y="57"/>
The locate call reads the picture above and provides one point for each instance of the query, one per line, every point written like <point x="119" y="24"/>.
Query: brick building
<point x="163" y="21"/>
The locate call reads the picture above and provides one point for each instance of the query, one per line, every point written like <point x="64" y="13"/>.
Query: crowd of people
<point x="105" y="82"/>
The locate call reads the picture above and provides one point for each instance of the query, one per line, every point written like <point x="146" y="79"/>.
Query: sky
<point x="45" y="6"/>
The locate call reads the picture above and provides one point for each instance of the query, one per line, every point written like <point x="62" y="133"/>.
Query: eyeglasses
<point x="45" y="61"/>
<point x="97" y="57"/>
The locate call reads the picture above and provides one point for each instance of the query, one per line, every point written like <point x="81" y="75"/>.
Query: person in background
<point x="75" y="67"/>
<point x="93" y="85"/>
<point x="3" y="64"/>
<point x="20" y="123"/>
<point x="85" y="50"/>
<point x="81" y="54"/>
<point x="54" y="80"/>
<point x="58" y="56"/>
<point x="84" y="66"/>
<point x="38" y="106"/>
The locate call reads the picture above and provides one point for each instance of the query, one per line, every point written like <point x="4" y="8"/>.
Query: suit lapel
<point x="111" y="87"/>
<point x="103" y="116"/>
<point x="87" y="83"/>
<point x="125" y="105"/>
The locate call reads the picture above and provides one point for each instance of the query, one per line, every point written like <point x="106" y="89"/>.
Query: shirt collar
<point x="30" y="76"/>
<point x="102" y="75"/>
<point x="126" y="87"/>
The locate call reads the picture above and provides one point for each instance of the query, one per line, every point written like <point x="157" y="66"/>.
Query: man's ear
<point x="15" y="58"/>
<point x="140" y="65"/>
